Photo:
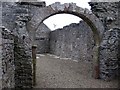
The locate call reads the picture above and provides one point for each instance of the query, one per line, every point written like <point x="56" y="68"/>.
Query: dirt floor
<point x="53" y="72"/>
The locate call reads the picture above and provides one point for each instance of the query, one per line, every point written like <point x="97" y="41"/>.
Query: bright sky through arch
<point x="60" y="20"/>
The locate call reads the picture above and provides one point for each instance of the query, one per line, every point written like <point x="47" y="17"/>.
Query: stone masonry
<point x="107" y="12"/>
<point x="13" y="18"/>
<point x="22" y="23"/>
<point x="23" y="52"/>
<point x="71" y="8"/>
<point x="8" y="68"/>
<point x="42" y="39"/>
<point x="74" y="41"/>
<point x="109" y="54"/>
<point x="17" y="68"/>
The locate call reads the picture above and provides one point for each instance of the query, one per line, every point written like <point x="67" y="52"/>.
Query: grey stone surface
<point x="57" y="8"/>
<point x="8" y="68"/>
<point x="22" y="20"/>
<point x="0" y="45"/>
<point x="109" y="55"/>
<point x="8" y="15"/>
<point x="23" y="52"/>
<point x="42" y="39"/>
<point x="14" y="17"/>
<point x="108" y="13"/>
<point x="74" y="41"/>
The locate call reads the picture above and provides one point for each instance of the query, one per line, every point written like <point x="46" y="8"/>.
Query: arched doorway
<point x="70" y="8"/>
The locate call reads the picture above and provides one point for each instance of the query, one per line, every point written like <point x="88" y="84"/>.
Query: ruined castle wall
<point x="70" y="42"/>
<point x="14" y="18"/>
<point x="109" y="55"/>
<point x="23" y="52"/>
<point x="0" y="59"/>
<point x="74" y="41"/>
<point x="7" y="49"/>
<point x="0" y="46"/>
<point x="8" y="15"/>
<point x="7" y="59"/>
<point x="107" y="12"/>
<point x="42" y="33"/>
<point x="42" y="39"/>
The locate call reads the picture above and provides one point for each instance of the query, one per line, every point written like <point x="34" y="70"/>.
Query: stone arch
<point x="70" y="8"/>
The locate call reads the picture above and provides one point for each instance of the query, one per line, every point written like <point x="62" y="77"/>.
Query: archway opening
<point x="92" y="24"/>
<point x="71" y="45"/>
<point x="71" y="8"/>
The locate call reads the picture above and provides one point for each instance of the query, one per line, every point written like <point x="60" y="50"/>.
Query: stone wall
<point x="14" y="17"/>
<point x="109" y="54"/>
<point x="23" y="63"/>
<point x="8" y="15"/>
<point x="8" y="68"/>
<point x="23" y="52"/>
<point x="107" y="12"/>
<point x="74" y="41"/>
<point x="0" y="46"/>
<point x="42" y="39"/>
<point x="42" y="32"/>
<point x="70" y="42"/>
<point x="7" y="47"/>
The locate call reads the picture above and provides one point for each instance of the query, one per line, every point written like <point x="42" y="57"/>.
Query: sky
<point x="60" y="20"/>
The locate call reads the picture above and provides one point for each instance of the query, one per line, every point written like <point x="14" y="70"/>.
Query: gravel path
<point x="53" y="72"/>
